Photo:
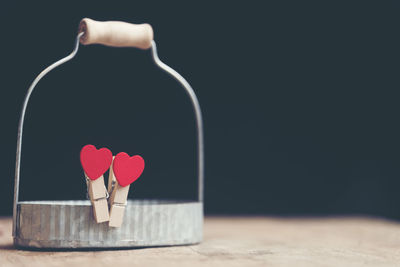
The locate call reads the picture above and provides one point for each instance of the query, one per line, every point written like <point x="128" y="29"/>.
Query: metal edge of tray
<point x="70" y="224"/>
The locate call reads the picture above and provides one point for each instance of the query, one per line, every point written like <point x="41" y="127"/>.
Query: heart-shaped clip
<point x="95" y="162"/>
<point x="124" y="171"/>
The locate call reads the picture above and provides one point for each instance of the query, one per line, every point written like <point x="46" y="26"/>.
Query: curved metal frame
<point x="159" y="63"/>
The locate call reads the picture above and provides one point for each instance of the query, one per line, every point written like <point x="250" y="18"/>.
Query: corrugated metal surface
<point x="70" y="224"/>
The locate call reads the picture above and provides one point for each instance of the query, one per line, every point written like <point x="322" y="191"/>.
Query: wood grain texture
<point x="235" y="241"/>
<point x="118" y="200"/>
<point x="116" y="33"/>
<point x="97" y="194"/>
<point x="97" y="189"/>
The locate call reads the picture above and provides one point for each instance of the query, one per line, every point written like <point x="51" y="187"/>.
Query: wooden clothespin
<point x="111" y="178"/>
<point x="95" y="162"/>
<point x="123" y="172"/>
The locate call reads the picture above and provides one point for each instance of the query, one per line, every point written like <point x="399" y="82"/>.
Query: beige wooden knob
<point x="116" y="33"/>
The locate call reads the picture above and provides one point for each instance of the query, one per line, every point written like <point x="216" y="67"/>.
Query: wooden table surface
<point x="242" y="241"/>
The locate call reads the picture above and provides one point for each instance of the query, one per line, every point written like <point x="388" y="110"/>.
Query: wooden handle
<point x="116" y="33"/>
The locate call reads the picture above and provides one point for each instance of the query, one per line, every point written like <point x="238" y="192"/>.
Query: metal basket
<point x="70" y="224"/>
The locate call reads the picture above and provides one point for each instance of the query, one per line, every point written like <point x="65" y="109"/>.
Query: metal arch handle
<point x="198" y="116"/>
<point x="159" y="63"/>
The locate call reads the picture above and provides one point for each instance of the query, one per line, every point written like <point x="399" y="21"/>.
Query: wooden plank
<point x="100" y="210"/>
<point x="118" y="201"/>
<point x="235" y="241"/>
<point x="120" y="194"/>
<point x="116" y="216"/>
<point x="97" y="194"/>
<point x="97" y="188"/>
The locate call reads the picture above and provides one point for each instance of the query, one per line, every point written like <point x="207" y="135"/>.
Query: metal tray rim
<point x="147" y="223"/>
<point x="87" y="202"/>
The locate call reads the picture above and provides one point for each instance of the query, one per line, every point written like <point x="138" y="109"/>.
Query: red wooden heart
<point x="127" y="169"/>
<point x="95" y="162"/>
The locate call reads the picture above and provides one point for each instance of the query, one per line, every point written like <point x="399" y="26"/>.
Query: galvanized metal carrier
<point x="70" y="224"/>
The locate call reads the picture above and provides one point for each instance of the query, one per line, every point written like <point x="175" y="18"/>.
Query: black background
<point x="300" y="103"/>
